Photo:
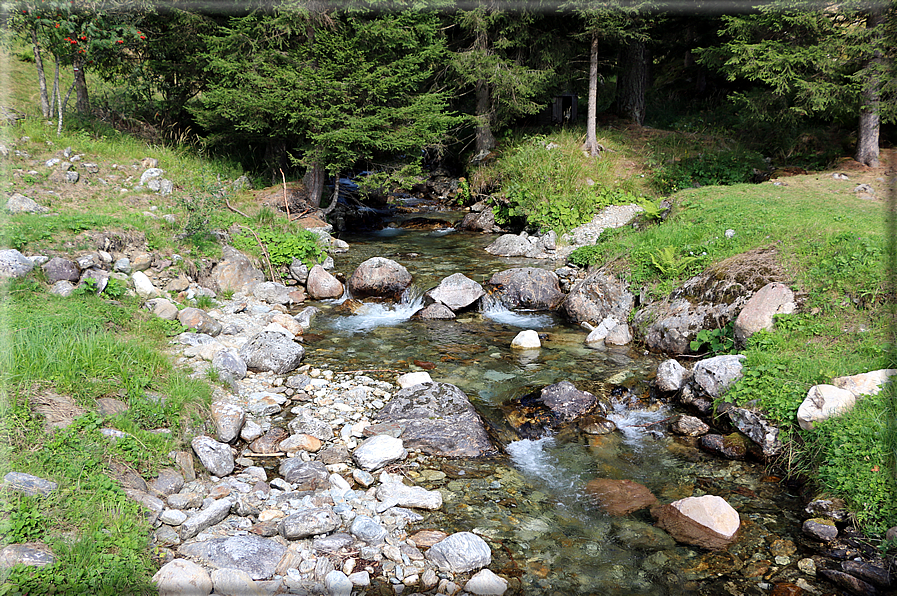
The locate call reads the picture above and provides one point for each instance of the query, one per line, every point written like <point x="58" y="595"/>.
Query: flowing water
<point x="531" y="499"/>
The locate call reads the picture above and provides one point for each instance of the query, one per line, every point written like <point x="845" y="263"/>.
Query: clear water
<point x="530" y="502"/>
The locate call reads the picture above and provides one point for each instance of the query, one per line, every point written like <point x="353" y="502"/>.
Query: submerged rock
<point x="620" y="497"/>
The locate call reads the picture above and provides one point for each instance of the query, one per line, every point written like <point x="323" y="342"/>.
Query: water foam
<point x="493" y="309"/>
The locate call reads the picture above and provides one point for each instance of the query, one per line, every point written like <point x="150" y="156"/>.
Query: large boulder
<point x="437" y="418"/>
<point x="309" y="522"/>
<point x="772" y="299"/>
<point x="322" y="285"/>
<point x="19" y="203"/>
<point x="707" y="301"/>
<point x="457" y="292"/>
<point x="378" y="451"/>
<point x="235" y="273"/>
<point x="460" y="552"/>
<point x="272" y="351"/>
<point x="181" y="576"/>
<point x="869" y="383"/>
<point x="596" y="297"/>
<point x="480" y="219"/>
<point x="528" y="288"/>
<point x="272" y="292"/>
<point x="216" y="457"/>
<point x="379" y="277"/>
<point x="708" y="521"/>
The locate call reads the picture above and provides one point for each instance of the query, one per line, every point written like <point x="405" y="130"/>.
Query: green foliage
<point x="205" y="302"/>
<point x="115" y="288"/>
<point x="716" y="341"/>
<point x="88" y="287"/>
<point x="856" y="463"/>
<point x="22" y="519"/>
<point x="585" y="256"/>
<point x="28" y="230"/>
<point x="282" y="246"/>
<point x="773" y="386"/>
<point x="850" y="264"/>
<point x="198" y="209"/>
<point x="547" y="186"/>
<point x="708" y="169"/>
<point x="670" y="263"/>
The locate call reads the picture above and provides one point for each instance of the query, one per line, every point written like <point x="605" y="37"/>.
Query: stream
<point x="530" y="500"/>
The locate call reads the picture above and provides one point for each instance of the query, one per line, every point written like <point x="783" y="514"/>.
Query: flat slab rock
<point x="438" y="419"/>
<point x="254" y="555"/>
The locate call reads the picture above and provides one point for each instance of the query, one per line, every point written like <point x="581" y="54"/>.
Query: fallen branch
<point x="234" y="209"/>
<point x="263" y="249"/>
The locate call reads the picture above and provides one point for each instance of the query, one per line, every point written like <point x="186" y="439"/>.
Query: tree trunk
<point x="591" y="144"/>
<point x="485" y="141"/>
<point x="870" y="116"/>
<point x="632" y="82"/>
<point x="335" y="199"/>
<point x="56" y="91"/>
<point x="41" y="77"/>
<point x="314" y="183"/>
<point x="82" y="100"/>
<point x="62" y="105"/>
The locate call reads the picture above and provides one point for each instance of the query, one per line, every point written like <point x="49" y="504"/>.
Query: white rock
<point x="144" y="286"/>
<point x="460" y="552"/>
<point x="824" y="402"/>
<point x="711" y="512"/>
<point x="182" y="577"/>
<point x="486" y="583"/>
<point x="338" y="584"/>
<point x="413" y="378"/>
<point x="670" y="375"/>
<point x="379" y="451"/>
<point x="173" y="517"/>
<point x="234" y="582"/>
<point x="869" y="383"/>
<point x="526" y="340"/>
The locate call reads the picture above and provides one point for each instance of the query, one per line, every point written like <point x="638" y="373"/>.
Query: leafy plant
<point x="22" y="520"/>
<point x="205" y="302"/>
<point x="708" y="169"/>
<point x="669" y="263"/>
<point x="115" y="288"/>
<point x="717" y="341"/>
<point x="88" y="287"/>
<point x="773" y="385"/>
<point x="282" y="247"/>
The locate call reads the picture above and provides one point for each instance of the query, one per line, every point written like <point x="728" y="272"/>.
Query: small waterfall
<point x="633" y="424"/>
<point x="376" y="314"/>
<point x="492" y="308"/>
<point x="531" y="456"/>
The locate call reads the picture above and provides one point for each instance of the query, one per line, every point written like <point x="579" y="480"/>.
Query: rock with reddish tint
<point x="873" y="574"/>
<point x="852" y="584"/>
<point x="770" y="300"/>
<point x="199" y="321"/>
<point x="300" y="442"/>
<point x="379" y="277"/>
<point x="708" y="521"/>
<point x="733" y="446"/>
<point x="689" y="426"/>
<point x="235" y="273"/>
<point x="270" y="441"/>
<point x="321" y="285"/>
<point x="620" y="497"/>
<point x="180" y="577"/>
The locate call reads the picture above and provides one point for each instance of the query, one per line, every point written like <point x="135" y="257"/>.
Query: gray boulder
<point x="596" y="297"/>
<point x="523" y="245"/>
<point x="438" y="419"/>
<point x="58" y="269"/>
<point x="205" y="518"/>
<point x="28" y="484"/>
<point x="251" y="554"/>
<point x="379" y="451"/>
<point x="306" y="475"/>
<point x="310" y="522"/>
<point x="368" y="530"/>
<point x="19" y="203"/>
<point x="299" y="271"/>
<point x="480" y="219"/>
<point x="14" y="264"/>
<point x="306" y="316"/>
<point x="528" y="288"/>
<point x="460" y="552"/>
<point x="379" y="277"/>
<point x="272" y="292"/>
<point x="229" y="419"/>
<point x="758" y="429"/>
<point x="715" y="375"/>
<point x="228" y="363"/>
<point x="671" y="375"/>
<point x="216" y="457"/>
<point x="271" y="351"/>
<point x="435" y="312"/>
<point x="199" y="321"/>
<point x="566" y="402"/>
<point x="234" y="582"/>
<point x="457" y="292"/>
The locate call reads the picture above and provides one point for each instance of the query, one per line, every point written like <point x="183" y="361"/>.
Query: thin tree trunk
<point x="632" y="82"/>
<point x="591" y="144"/>
<point x="82" y="100"/>
<point x="314" y="183"/>
<point x="41" y="77"/>
<point x="870" y="110"/>
<point x="62" y="105"/>
<point x="56" y="91"/>
<point x="485" y="140"/>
